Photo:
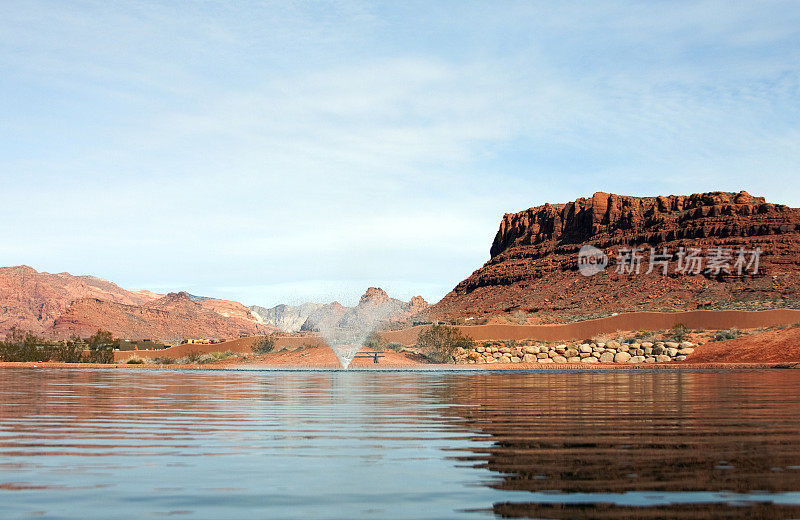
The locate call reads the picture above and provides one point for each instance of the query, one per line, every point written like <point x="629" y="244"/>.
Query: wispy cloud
<point x="227" y="146"/>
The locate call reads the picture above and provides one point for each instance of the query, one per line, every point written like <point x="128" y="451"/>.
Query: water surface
<point x="129" y="443"/>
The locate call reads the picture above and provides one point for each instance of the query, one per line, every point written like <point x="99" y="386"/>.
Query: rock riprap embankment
<point x="608" y="352"/>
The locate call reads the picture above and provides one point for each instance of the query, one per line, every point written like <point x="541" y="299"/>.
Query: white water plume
<point x="346" y="335"/>
<point x="345" y="353"/>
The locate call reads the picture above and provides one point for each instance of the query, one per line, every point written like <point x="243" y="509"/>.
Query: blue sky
<point x="276" y="152"/>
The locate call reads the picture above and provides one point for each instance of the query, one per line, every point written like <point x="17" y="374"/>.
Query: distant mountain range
<point x="60" y="305"/>
<point x="374" y="306"/>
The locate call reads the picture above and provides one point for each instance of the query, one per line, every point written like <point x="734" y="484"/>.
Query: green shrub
<point x="373" y="341"/>
<point x="164" y="361"/>
<point x="70" y="351"/>
<point x="264" y="344"/>
<point x="439" y="342"/>
<point x="722" y="335"/>
<point x="22" y="345"/>
<point x="679" y="332"/>
<point x="190" y="358"/>
<point x="101" y="347"/>
<point x="135" y="360"/>
<point x="397" y="347"/>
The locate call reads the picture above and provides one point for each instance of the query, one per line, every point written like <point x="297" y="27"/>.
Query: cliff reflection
<point x="626" y="432"/>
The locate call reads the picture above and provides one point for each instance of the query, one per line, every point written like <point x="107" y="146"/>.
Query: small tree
<point x="101" y="347"/>
<point x="70" y="351"/>
<point x="439" y="342"/>
<point x="264" y="344"/>
<point x="373" y="341"/>
<point x="680" y="332"/>
<point x="20" y="345"/>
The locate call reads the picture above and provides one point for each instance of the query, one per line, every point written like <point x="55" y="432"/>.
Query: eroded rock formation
<point x="534" y="257"/>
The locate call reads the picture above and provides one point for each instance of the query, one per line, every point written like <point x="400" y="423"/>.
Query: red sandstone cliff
<point x="32" y="300"/>
<point x="533" y="265"/>
<point x="175" y="316"/>
<point x="62" y="304"/>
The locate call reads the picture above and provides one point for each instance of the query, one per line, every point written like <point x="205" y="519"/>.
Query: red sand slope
<point x="780" y="346"/>
<point x="714" y="320"/>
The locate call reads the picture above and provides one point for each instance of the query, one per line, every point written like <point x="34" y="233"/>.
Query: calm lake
<point x="223" y="444"/>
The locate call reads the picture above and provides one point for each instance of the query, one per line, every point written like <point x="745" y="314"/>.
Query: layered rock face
<point x="32" y="300"/>
<point x="172" y="317"/>
<point x="58" y="305"/>
<point x="288" y="318"/>
<point x="534" y="257"/>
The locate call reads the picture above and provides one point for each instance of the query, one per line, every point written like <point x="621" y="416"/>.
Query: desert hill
<point x="32" y="300"/>
<point x="533" y="269"/>
<point x="174" y="316"/>
<point x="61" y="304"/>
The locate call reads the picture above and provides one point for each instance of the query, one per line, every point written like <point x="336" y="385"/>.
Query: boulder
<point x="529" y="358"/>
<point x="649" y="359"/>
<point x="515" y="359"/>
<point x="636" y="359"/>
<point x="559" y="359"/>
<point x="606" y="357"/>
<point x="570" y="352"/>
<point x="589" y="360"/>
<point x="585" y="348"/>
<point x="622" y="357"/>
<point x="685" y="351"/>
<point x="574" y="359"/>
<point x="545" y="360"/>
<point x="672" y="352"/>
<point x="663" y="359"/>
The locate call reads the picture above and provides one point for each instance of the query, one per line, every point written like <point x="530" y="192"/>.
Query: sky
<point x="288" y="151"/>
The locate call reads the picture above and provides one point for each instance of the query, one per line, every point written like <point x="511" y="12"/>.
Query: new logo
<point x="591" y="260"/>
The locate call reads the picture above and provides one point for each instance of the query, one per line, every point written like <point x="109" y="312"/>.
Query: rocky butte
<point x="533" y="269"/>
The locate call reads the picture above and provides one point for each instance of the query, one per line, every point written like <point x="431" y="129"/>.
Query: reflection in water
<point x="686" y="444"/>
<point x="116" y="444"/>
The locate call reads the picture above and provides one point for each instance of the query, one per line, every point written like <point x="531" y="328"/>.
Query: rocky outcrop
<point x="374" y="306"/>
<point x="32" y="300"/>
<point x="172" y="317"/>
<point x="62" y="304"/>
<point x="288" y="318"/>
<point x="228" y="309"/>
<point x="534" y="257"/>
